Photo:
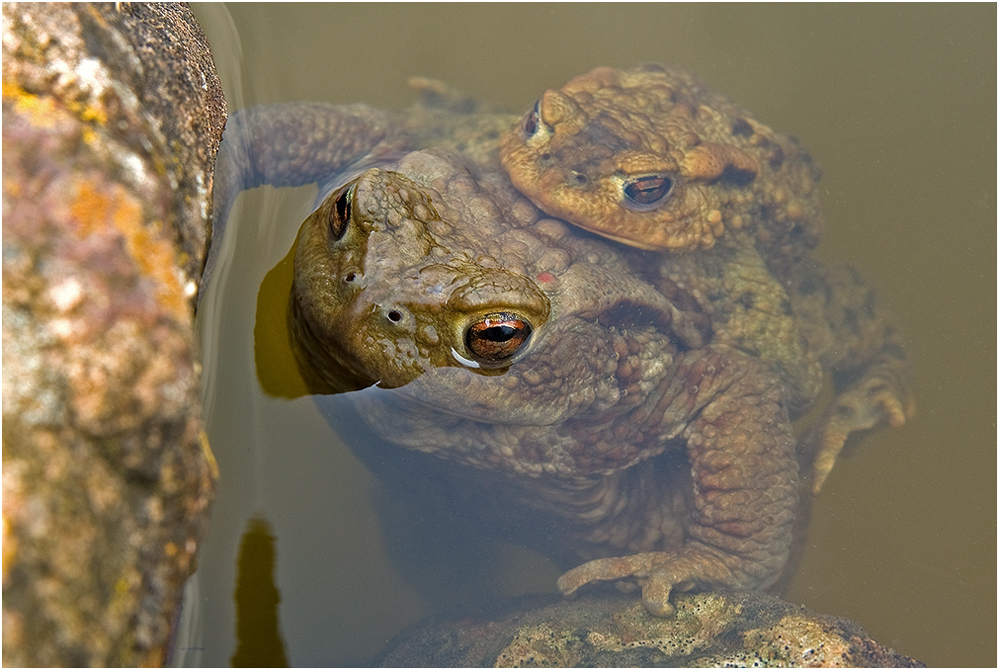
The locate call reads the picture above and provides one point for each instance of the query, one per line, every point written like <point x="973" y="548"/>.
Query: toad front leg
<point x="740" y="449"/>
<point x="294" y="144"/>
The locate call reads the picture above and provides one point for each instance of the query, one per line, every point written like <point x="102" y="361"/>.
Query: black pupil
<point x="495" y="338"/>
<point x="343" y="205"/>
<point x="531" y="121"/>
<point x="647" y="190"/>
<point x="498" y="333"/>
<point x="341" y="213"/>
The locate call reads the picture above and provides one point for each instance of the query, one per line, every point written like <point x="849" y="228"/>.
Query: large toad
<point x="550" y="377"/>
<point x="577" y="385"/>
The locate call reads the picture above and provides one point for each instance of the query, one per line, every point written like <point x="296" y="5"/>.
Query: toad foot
<point x="880" y="398"/>
<point x="658" y="574"/>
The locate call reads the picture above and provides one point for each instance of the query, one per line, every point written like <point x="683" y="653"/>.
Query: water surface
<point x="896" y="102"/>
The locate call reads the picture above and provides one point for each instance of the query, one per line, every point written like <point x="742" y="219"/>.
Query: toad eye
<point x="647" y="192"/>
<point x="497" y="337"/>
<point x="530" y="125"/>
<point x="340" y="213"/>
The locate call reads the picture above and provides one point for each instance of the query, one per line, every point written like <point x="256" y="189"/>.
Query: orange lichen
<point x="9" y="548"/>
<point x="94" y="206"/>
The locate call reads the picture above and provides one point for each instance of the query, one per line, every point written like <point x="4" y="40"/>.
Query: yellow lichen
<point x="45" y="111"/>
<point x="90" y="114"/>
<point x="41" y="111"/>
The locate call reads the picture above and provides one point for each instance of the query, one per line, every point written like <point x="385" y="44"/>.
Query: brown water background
<point x="896" y="102"/>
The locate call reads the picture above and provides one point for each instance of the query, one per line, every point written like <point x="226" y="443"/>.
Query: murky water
<point x="897" y="103"/>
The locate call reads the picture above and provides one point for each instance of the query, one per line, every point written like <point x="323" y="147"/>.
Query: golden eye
<point x="497" y="337"/>
<point x="647" y="191"/>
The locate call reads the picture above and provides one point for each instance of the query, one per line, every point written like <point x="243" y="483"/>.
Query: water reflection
<point x="258" y="633"/>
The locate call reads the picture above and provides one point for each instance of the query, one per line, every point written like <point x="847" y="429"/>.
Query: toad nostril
<point x="394" y="315"/>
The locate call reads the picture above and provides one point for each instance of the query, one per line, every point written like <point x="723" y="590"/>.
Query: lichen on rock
<point x="111" y="118"/>
<point x="613" y="630"/>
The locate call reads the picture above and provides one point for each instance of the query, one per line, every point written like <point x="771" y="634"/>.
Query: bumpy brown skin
<point x="576" y="154"/>
<point x="718" y="177"/>
<point x="749" y="309"/>
<point x="666" y="460"/>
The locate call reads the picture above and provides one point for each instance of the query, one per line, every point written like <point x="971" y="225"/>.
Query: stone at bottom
<point x="609" y="629"/>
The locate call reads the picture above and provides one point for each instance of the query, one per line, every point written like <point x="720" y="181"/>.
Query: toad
<point x="538" y="369"/>
<point x="653" y="158"/>
<point x="576" y="385"/>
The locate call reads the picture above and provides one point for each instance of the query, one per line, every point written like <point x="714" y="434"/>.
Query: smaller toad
<point x="653" y="158"/>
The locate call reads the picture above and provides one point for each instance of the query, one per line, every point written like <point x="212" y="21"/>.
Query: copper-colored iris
<point x="497" y="337"/>
<point x="648" y="190"/>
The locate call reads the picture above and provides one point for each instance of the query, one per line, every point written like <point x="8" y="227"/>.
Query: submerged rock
<point x="111" y="119"/>
<point x="614" y="630"/>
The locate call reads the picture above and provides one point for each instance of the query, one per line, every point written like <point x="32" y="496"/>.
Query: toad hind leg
<point x="879" y="397"/>
<point x="859" y="341"/>
<point x="741" y="508"/>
